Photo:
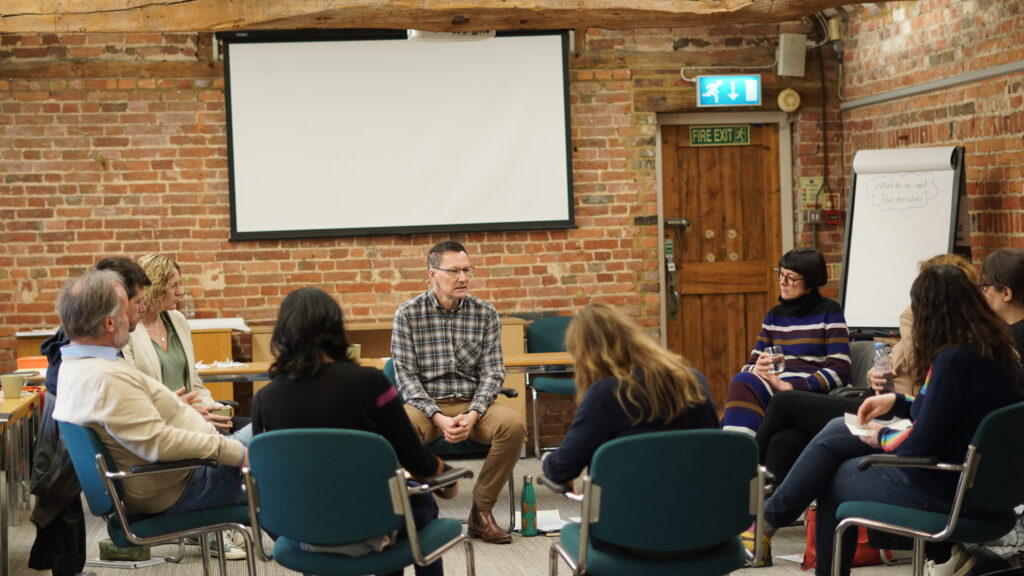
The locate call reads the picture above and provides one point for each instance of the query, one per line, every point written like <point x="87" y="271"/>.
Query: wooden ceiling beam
<point x="64" y="16"/>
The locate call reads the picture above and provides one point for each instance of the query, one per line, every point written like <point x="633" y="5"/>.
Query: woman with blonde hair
<point x="161" y="345"/>
<point x="626" y="383"/>
<point x="161" y="348"/>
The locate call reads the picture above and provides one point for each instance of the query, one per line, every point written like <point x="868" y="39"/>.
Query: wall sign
<point x="728" y="135"/>
<point x="741" y="90"/>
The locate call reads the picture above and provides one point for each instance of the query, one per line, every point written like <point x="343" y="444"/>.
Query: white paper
<point x="547" y="521"/>
<point x="856" y="429"/>
<point x="218" y="323"/>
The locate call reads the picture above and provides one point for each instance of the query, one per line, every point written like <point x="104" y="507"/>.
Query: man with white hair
<point x="136" y="417"/>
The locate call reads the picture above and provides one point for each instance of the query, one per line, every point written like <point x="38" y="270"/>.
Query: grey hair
<point x="438" y="250"/>
<point x="86" y="301"/>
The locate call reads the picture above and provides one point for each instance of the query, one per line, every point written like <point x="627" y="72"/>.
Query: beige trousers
<point x="501" y="427"/>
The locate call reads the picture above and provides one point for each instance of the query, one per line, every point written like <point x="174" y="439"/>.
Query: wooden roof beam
<point x="64" y="16"/>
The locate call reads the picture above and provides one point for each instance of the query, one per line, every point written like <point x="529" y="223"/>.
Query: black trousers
<point x="792" y="419"/>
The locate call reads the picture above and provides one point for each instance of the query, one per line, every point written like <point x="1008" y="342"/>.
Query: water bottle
<point x="883" y="366"/>
<point x="528" y="503"/>
<point x="188" y="305"/>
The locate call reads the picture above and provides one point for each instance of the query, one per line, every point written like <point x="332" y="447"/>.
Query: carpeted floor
<point x="524" y="556"/>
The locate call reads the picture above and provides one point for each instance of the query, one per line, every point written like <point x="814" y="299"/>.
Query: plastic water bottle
<point x="883" y="366"/>
<point x="528" y="503"/>
<point x="188" y="305"/>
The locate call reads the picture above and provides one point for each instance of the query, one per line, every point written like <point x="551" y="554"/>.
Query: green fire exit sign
<point x="728" y="135"/>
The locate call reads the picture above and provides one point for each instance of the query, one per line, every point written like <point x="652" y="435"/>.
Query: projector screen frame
<point x="240" y="37"/>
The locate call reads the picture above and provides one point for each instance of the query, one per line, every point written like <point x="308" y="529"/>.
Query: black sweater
<point x="344" y="395"/>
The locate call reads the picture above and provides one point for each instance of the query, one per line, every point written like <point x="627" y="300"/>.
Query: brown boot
<point x="483" y="526"/>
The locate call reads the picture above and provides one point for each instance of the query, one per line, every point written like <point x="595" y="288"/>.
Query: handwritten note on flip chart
<point x="903" y="209"/>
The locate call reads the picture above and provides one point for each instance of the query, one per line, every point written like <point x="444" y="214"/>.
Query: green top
<point x="173" y="363"/>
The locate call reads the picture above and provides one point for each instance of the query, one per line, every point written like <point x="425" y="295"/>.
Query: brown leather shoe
<point x="483" y="526"/>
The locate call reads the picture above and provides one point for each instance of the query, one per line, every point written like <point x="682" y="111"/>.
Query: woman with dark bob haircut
<point x="966" y="359"/>
<point x="811" y="330"/>
<point x="316" y="385"/>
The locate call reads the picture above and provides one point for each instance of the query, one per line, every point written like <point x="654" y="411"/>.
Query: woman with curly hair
<point x="964" y="355"/>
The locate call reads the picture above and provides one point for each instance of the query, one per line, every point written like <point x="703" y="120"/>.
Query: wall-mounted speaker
<point x="792" y="54"/>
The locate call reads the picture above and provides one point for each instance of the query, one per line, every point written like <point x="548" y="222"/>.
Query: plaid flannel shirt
<point x="447" y="354"/>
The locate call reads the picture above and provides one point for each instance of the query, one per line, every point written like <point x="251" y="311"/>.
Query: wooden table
<point x="515" y="364"/>
<point x="17" y="435"/>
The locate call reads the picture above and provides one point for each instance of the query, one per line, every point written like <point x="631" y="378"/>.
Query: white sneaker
<point x="959" y="564"/>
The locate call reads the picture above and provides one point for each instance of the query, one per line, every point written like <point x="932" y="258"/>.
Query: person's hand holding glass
<point x="770" y="364"/>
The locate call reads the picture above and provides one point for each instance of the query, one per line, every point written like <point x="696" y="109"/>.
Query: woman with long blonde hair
<point x="626" y="383"/>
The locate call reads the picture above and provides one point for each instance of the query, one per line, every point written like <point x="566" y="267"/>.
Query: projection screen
<point x="369" y="133"/>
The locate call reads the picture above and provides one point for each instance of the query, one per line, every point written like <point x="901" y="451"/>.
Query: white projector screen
<point x="370" y="133"/>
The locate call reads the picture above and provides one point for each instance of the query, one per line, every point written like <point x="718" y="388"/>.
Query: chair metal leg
<point x="221" y="561"/>
<point x="536" y="424"/>
<point x="918" y="557"/>
<point x="470" y="559"/>
<point x="250" y="551"/>
<point x="511" y="502"/>
<point x="204" y="553"/>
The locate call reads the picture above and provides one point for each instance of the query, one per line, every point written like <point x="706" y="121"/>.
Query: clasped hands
<point x="190" y="398"/>
<point x="455" y="429"/>
<point x="763" y="368"/>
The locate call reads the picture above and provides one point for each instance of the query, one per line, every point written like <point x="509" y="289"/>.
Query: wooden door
<point x="724" y="258"/>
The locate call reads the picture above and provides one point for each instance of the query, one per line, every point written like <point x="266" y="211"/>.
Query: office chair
<point x="101" y="483"/>
<point x="547" y="335"/>
<point x="991" y="482"/>
<point x="466" y="447"/>
<point x="664" y="503"/>
<point x="329" y="487"/>
<point x="862" y="358"/>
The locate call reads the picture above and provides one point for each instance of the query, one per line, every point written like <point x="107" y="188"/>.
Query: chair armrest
<point x="172" y="466"/>
<point x="901" y="461"/>
<point x="565" y="489"/>
<point x="444" y="479"/>
<point x="234" y="405"/>
<point x="509" y="392"/>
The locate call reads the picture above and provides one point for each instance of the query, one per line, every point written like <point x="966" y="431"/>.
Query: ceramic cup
<point x="354" y="350"/>
<point x="12" y="385"/>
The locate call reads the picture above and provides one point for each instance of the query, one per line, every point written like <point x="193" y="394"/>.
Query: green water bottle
<point x="528" y="502"/>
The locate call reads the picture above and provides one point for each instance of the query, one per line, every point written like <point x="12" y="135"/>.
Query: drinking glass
<point x="778" y="359"/>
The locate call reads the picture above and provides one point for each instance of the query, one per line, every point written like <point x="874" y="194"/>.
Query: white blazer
<point x="140" y="353"/>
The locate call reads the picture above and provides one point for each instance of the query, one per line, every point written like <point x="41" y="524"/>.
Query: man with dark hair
<point x="58" y="515"/>
<point x="446" y="346"/>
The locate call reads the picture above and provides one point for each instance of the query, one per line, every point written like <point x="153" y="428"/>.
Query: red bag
<point x="865" y="555"/>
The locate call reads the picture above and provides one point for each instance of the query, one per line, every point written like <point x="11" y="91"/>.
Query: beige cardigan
<point x="139" y="421"/>
<point x="901" y="354"/>
<point x="139" y="352"/>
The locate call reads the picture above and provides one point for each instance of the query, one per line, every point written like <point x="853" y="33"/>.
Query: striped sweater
<point x="812" y="331"/>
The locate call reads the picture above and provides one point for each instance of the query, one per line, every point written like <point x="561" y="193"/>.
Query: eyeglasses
<point x="454" y="272"/>
<point x="787" y="278"/>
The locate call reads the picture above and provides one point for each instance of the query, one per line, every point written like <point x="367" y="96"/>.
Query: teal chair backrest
<point x="389" y="371"/>
<point x="83" y="445"/>
<point x="999" y="481"/>
<point x="547" y="334"/>
<point x="324" y="485"/>
<point x="674" y="491"/>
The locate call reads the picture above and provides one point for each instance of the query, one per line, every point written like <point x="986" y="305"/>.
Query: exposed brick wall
<point x="909" y="43"/>
<point x="115" y="143"/>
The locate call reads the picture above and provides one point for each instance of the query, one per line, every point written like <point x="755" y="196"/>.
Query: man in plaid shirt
<point x="446" y="347"/>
